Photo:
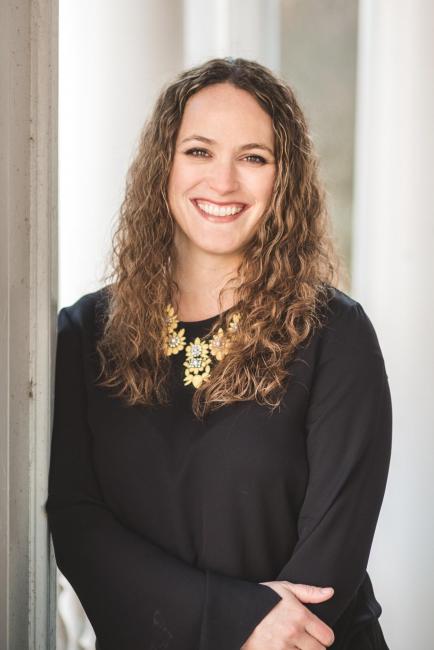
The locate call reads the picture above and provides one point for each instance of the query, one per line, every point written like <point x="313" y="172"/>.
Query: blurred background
<point x="362" y="71"/>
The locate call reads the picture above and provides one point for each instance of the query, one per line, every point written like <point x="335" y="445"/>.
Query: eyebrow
<point x="250" y="145"/>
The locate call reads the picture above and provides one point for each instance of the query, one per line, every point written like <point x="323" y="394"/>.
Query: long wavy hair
<point x="282" y="284"/>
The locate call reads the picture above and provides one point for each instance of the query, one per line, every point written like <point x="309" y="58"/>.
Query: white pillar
<point x="114" y="57"/>
<point x="246" y="28"/>
<point x="28" y="296"/>
<point x="393" y="277"/>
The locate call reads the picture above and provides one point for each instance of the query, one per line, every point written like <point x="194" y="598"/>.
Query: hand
<point x="289" y="624"/>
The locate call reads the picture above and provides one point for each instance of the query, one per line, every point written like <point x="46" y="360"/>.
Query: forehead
<point x="222" y="107"/>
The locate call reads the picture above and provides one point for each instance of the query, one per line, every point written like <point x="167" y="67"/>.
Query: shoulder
<point x="347" y="326"/>
<point x="86" y="312"/>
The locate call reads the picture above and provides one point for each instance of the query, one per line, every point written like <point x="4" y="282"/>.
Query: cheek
<point x="266" y="187"/>
<point x="260" y="185"/>
<point x="182" y="178"/>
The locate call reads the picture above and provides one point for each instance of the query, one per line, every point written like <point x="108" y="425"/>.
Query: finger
<point x="306" y="642"/>
<point x="319" y="631"/>
<point x="310" y="593"/>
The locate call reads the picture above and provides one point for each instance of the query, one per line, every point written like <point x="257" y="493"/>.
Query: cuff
<point x="232" y="610"/>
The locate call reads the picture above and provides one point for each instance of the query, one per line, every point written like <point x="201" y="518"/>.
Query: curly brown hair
<point x="284" y="278"/>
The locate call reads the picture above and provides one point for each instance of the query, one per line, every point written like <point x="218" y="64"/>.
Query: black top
<point x="164" y="525"/>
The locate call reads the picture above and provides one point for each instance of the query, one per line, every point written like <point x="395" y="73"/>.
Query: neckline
<point x="203" y="321"/>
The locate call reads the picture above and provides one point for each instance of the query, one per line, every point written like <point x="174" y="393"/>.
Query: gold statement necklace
<point x="198" y="352"/>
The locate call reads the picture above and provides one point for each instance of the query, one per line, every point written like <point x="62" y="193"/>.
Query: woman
<point x="222" y="421"/>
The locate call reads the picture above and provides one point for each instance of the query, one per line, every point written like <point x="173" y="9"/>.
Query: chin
<point x="209" y="242"/>
<point x="214" y="243"/>
<point x="219" y="250"/>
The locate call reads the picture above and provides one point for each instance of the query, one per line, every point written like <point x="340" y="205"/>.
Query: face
<point x="223" y="170"/>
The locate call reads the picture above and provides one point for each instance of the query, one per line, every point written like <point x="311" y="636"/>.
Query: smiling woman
<point x="222" y="416"/>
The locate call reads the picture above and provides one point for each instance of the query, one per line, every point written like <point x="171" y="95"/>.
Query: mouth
<point x="218" y="212"/>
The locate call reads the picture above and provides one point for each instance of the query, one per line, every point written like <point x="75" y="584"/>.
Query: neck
<point x="200" y="277"/>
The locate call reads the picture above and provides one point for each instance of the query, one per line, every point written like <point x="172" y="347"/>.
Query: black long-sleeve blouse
<point x="165" y="525"/>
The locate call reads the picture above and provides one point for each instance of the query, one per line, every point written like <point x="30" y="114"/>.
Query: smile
<point x="225" y="212"/>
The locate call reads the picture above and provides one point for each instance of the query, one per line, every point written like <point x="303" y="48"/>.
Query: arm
<point x="135" y="594"/>
<point x="348" y="441"/>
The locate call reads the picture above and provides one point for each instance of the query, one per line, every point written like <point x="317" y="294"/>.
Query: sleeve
<point x="134" y="593"/>
<point x="348" y="441"/>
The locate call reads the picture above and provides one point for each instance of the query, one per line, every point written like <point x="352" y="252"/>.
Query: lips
<point x="217" y="218"/>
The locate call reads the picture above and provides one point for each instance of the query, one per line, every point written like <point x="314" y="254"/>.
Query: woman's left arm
<point x="348" y="442"/>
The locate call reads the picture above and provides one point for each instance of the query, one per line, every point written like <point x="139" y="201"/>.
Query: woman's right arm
<point x="135" y="594"/>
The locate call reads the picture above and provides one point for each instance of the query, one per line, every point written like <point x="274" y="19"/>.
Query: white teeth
<point x="216" y="211"/>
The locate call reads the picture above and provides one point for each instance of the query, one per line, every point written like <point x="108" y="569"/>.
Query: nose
<point x="223" y="177"/>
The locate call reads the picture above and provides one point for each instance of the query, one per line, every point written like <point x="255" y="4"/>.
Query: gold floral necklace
<point x="197" y="352"/>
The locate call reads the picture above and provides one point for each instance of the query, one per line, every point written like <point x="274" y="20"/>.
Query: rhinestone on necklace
<point x="197" y="352"/>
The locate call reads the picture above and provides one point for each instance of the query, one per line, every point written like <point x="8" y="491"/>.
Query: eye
<point x="203" y="153"/>
<point x="198" y="153"/>
<point x="257" y="159"/>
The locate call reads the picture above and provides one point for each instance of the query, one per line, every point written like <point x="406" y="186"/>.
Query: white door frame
<point x="28" y="309"/>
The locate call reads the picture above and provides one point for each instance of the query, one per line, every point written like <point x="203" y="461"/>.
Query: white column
<point x="393" y="277"/>
<point x="218" y="28"/>
<point x="28" y="296"/>
<point x="114" y="57"/>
